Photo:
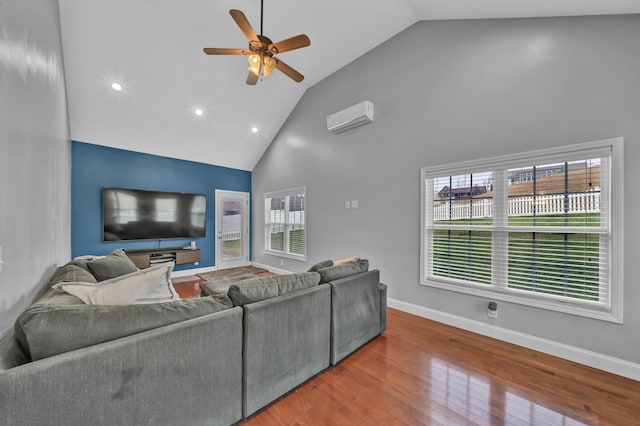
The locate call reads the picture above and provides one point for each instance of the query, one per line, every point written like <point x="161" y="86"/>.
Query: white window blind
<point x="285" y="223"/>
<point x="534" y="228"/>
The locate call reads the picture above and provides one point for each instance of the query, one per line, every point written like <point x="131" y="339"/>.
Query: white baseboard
<point x="187" y="272"/>
<point x="592" y="359"/>
<point x="272" y="268"/>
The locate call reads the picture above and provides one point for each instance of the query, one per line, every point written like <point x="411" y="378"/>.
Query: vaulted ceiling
<point x="153" y="48"/>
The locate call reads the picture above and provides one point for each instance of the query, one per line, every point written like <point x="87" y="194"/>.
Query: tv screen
<point x="134" y="214"/>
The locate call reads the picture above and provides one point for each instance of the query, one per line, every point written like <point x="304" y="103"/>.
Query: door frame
<point x="245" y="197"/>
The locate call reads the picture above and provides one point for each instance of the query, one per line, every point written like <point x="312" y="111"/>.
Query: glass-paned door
<point x="232" y="230"/>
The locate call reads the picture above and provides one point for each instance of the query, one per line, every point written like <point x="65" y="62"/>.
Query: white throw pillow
<point x="149" y="285"/>
<point x="345" y="260"/>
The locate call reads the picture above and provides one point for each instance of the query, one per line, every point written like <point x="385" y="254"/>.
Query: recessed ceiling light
<point x="254" y="129"/>
<point x="198" y="111"/>
<point x="116" y="86"/>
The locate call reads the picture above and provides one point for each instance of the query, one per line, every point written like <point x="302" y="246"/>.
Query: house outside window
<point x="285" y="223"/>
<point x="540" y="228"/>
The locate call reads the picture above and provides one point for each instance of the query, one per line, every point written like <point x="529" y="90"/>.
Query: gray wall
<point x="35" y="161"/>
<point x="448" y="91"/>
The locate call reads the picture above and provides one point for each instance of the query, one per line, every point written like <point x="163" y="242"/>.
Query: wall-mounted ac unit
<point x="348" y="118"/>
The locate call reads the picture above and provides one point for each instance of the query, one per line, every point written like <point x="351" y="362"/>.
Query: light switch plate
<point x="354" y="204"/>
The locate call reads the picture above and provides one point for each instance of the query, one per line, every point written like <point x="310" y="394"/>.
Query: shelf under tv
<point x="144" y="258"/>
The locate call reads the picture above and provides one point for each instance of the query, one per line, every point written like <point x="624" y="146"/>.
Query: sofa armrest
<point x="184" y="373"/>
<point x="383" y="307"/>
<point x="355" y="313"/>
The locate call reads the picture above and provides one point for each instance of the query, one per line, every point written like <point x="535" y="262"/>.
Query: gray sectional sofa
<point x="207" y="361"/>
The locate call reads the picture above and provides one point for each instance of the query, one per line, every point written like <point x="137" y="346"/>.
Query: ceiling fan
<point x="262" y="50"/>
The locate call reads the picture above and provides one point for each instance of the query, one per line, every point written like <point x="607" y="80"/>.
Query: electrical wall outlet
<point x="492" y="310"/>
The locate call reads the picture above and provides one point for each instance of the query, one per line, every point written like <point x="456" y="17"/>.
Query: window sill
<point x="300" y="258"/>
<point x="528" y="300"/>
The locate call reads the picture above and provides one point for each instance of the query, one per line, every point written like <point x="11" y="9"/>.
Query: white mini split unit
<point x="349" y="118"/>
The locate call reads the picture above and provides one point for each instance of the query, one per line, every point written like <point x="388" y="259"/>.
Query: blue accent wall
<point x="94" y="166"/>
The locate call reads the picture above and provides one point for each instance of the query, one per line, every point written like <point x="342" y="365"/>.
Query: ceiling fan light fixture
<point x="269" y="65"/>
<point x="254" y="63"/>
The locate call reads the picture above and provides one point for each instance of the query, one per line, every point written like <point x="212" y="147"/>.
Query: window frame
<point x="286" y="253"/>
<point x="497" y="290"/>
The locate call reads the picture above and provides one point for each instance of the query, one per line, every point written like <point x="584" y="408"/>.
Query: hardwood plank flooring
<point x="420" y="372"/>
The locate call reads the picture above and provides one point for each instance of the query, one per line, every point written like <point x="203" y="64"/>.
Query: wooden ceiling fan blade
<point x="290" y="72"/>
<point x="295" y="42"/>
<point x="223" y="51"/>
<point x="244" y="24"/>
<point x="252" y="79"/>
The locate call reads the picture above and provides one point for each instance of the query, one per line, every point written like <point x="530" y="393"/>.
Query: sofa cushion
<point x="256" y="289"/>
<point x="60" y="322"/>
<point x="218" y="289"/>
<point x="336" y="272"/>
<point x="149" y="285"/>
<point x="113" y="265"/>
<point x="320" y="265"/>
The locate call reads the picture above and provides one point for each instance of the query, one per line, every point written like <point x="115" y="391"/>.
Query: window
<point x="541" y="228"/>
<point x="285" y="223"/>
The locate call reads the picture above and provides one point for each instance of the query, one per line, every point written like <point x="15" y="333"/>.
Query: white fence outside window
<point x="519" y="206"/>
<point x="232" y="227"/>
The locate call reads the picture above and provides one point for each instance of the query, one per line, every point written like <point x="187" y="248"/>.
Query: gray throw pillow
<point x="71" y="273"/>
<point x="254" y="290"/>
<point x="113" y="265"/>
<point x="320" y="265"/>
<point x="336" y="272"/>
<point x="81" y="263"/>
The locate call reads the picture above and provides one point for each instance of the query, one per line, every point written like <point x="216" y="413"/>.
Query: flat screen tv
<point x="135" y="214"/>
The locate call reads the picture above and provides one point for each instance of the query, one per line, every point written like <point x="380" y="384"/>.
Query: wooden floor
<point x="424" y="373"/>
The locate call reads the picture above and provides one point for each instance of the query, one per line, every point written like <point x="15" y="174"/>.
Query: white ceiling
<point x="154" y="49"/>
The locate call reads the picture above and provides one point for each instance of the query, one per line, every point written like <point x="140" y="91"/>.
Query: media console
<point x="144" y="258"/>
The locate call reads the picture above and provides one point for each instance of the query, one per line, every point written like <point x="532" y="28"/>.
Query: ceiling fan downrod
<point x="261" y="15"/>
